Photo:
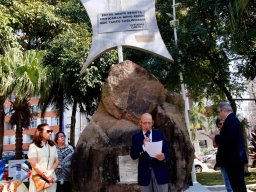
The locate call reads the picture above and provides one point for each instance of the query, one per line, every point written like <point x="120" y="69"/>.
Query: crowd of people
<point x="51" y="159"/>
<point x="231" y="156"/>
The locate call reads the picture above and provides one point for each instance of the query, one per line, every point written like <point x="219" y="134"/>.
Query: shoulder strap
<point x="37" y="153"/>
<point x="48" y="156"/>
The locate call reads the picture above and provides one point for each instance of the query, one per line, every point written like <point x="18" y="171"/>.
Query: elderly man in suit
<point x="152" y="171"/>
<point x="231" y="154"/>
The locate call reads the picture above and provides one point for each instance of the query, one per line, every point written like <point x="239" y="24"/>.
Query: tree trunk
<point x="73" y="124"/>
<point x="2" y="115"/>
<point x="19" y="141"/>
<point x="243" y="126"/>
<point x="61" y="113"/>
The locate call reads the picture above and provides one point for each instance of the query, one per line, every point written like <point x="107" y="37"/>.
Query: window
<point x="7" y="140"/>
<point x="33" y="123"/>
<point x="43" y="120"/>
<point x="35" y="109"/>
<point x="54" y="121"/>
<point x="8" y="126"/>
<point x="27" y="138"/>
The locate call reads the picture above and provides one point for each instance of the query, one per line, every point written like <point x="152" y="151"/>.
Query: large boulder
<point x="129" y="92"/>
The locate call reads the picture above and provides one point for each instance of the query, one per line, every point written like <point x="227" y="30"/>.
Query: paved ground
<point x="219" y="188"/>
<point x="197" y="187"/>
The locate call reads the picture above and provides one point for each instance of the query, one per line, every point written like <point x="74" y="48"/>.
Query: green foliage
<point x="65" y="56"/>
<point x="22" y="73"/>
<point x="73" y="11"/>
<point x="214" y="37"/>
<point x="196" y="119"/>
<point x="21" y="112"/>
<point x="211" y="66"/>
<point x="21" y="116"/>
<point x="203" y="55"/>
<point x="33" y="24"/>
<point x="35" y="35"/>
<point x="40" y="25"/>
<point x="8" y="38"/>
<point x="202" y="117"/>
<point x="209" y="123"/>
<point x="22" y="76"/>
<point x="207" y="178"/>
<point x="243" y="35"/>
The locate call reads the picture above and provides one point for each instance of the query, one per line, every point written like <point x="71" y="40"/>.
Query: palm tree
<point x="6" y="67"/>
<point x="21" y="119"/>
<point x="196" y="120"/>
<point x="65" y="57"/>
<point x="26" y="80"/>
<point x="241" y="29"/>
<point x="54" y="94"/>
<point x="209" y="123"/>
<point x="2" y="115"/>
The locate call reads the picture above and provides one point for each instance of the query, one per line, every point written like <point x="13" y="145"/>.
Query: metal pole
<point x="193" y="173"/>
<point x="120" y="54"/>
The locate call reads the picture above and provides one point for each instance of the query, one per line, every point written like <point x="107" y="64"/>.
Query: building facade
<point x="50" y="118"/>
<point x="248" y="109"/>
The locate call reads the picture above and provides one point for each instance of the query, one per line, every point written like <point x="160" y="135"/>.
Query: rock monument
<point x="130" y="91"/>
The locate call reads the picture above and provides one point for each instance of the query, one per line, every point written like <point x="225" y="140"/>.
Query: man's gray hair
<point x="226" y="106"/>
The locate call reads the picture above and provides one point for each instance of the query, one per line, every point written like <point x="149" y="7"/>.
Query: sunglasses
<point x="146" y="123"/>
<point x="49" y="131"/>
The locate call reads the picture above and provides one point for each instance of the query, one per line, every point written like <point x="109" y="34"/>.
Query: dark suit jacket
<point x="230" y="143"/>
<point x="145" y="161"/>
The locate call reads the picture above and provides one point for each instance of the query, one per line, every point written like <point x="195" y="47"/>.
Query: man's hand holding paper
<point x="154" y="149"/>
<point x="160" y="156"/>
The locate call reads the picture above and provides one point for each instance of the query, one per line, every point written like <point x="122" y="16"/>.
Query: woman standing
<point x="219" y="124"/>
<point x="63" y="172"/>
<point x="43" y="158"/>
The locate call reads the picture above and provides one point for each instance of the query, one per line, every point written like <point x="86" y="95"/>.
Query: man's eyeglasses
<point x="49" y="131"/>
<point x="146" y="123"/>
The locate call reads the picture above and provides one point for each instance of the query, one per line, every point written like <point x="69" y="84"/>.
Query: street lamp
<point x="174" y="24"/>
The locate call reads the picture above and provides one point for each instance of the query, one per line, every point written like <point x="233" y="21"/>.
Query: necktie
<point x="147" y="134"/>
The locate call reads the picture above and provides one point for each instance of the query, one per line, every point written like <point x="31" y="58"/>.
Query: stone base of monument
<point x="100" y="161"/>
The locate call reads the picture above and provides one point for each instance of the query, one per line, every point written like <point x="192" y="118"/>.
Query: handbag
<point x="40" y="182"/>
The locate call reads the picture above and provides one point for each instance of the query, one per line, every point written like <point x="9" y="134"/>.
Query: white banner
<point x="121" y="21"/>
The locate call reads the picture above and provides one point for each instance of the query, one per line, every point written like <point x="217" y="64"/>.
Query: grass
<point x="215" y="178"/>
<point x="210" y="178"/>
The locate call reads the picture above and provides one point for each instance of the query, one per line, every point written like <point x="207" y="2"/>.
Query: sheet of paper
<point x="153" y="148"/>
